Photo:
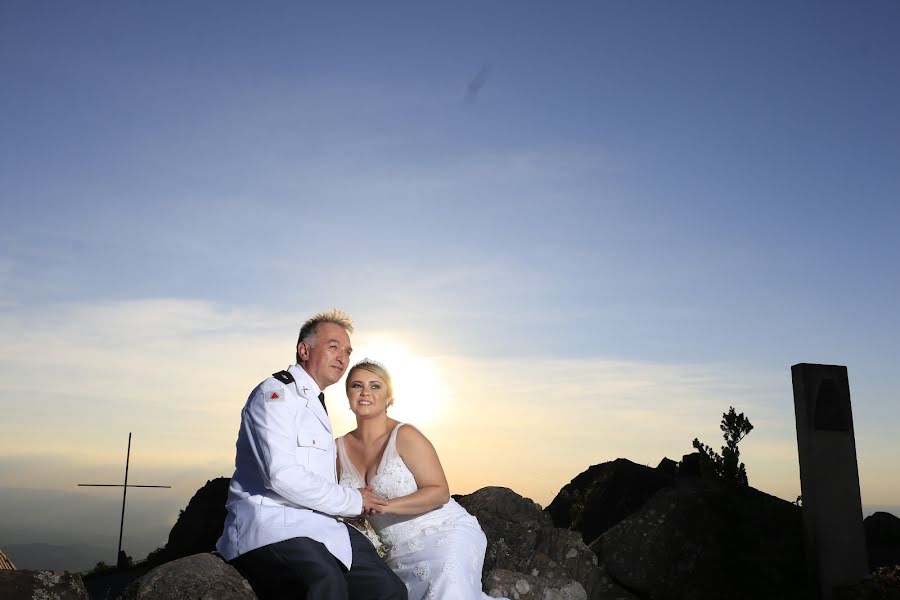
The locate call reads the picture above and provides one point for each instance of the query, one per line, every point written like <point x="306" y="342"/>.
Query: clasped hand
<point x="373" y="504"/>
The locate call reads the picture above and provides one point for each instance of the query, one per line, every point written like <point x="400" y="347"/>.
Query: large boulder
<point x="691" y="465"/>
<point x="200" y="577"/>
<point x="512" y="524"/>
<point x="668" y="466"/>
<point x="699" y="540"/>
<point x="522" y="539"/>
<point x="603" y="495"/>
<point x="882" y="539"/>
<point x="200" y="524"/>
<point x="43" y="585"/>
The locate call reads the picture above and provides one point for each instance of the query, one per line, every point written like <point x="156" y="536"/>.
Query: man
<point x="281" y="532"/>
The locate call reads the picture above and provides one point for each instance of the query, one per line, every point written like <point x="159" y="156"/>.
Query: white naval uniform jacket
<point x="285" y="483"/>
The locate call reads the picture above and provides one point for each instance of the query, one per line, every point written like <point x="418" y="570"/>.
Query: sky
<point x="573" y="232"/>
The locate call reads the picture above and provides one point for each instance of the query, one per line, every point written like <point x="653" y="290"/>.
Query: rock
<point x="882" y="584"/>
<point x="41" y="585"/>
<point x="200" y="524"/>
<point x="603" y="495"/>
<point x="512" y="525"/>
<point x="110" y="583"/>
<point x="668" y="466"/>
<point x="501" y="583"/>
<point x="522" y="539"/>
<point x="199" y="577"/>
<point x="882" y="539"/>
<point x="703" y="540"/>
<point x="691" y="465"/>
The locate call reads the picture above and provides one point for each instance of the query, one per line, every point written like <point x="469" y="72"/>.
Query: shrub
<point x="726" y="466"/>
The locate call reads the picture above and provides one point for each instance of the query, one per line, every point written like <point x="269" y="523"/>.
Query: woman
<point x="432" y="543"/>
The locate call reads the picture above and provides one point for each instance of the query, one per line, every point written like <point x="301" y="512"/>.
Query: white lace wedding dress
<point x="438" y="554"/>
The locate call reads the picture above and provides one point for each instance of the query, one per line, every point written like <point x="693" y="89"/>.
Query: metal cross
<point x="119" y="558"/>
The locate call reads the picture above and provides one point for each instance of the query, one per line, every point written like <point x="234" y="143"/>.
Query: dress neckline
<point x="391" y="443"/>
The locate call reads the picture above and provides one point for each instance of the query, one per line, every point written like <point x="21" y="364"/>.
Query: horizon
<point x="72" y="550"/>
<point x="572" y="233"/>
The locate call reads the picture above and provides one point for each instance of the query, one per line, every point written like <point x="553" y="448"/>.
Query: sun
<point x="419" y="390"/>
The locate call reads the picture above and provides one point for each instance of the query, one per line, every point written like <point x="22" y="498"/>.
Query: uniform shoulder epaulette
<point x="283" y="377"/>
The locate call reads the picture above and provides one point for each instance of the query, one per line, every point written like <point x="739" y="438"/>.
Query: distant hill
<point x="69" y="557"/>
<point x="85" y="521"/>
<point x="870" y="509"/>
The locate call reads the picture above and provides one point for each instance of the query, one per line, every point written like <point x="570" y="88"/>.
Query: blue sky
<point x="646" y="214"/>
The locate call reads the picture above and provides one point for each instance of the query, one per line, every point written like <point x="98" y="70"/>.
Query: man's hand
<point x="373" y="504"/>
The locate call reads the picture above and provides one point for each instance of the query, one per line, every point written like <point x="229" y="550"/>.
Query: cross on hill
<point x="121" y="561"/>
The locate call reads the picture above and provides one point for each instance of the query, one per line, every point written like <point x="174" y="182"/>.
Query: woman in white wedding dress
<point x="432" y="543"/>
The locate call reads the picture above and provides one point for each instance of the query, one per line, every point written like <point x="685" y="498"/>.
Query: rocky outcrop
<point x="42" y="585"/>
<point x="691" y="465"/>
<point x="882" y="584"/>
<point x="701" y="540"/>
<point x="200" y="577"/>
<point x="603" y="495"/>
<point x="668" y="466"/>
<point x="526" y="558"/>
<point x="522" y="540"/>
<point x="664" y="535"/>
<point x="882" y="539"/>
<point x="200" y="524"/>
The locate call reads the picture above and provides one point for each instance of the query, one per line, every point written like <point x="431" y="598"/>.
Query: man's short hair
<point x="308" y="331"/>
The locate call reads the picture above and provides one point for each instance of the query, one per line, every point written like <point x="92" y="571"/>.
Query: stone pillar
<point x="835" y="540"/>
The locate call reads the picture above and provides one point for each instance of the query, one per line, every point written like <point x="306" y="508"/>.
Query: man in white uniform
<point x="281" y="532"/>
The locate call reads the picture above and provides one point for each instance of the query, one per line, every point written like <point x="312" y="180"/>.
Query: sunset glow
<point x="643" y="215"/>
<point x="419" y="387"/>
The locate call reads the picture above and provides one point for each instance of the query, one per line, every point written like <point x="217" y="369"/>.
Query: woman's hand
<point x="373" y="504"/>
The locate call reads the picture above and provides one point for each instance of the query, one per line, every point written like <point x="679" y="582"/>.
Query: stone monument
<point x="835" y="541"/>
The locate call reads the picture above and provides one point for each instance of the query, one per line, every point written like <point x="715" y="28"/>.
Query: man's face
<point x="328" y="358"/>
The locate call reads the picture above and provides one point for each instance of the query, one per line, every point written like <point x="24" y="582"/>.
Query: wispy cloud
<point x="563" y="415"/>
<point x="179" y="371"/>
<point x="77" y="377"/>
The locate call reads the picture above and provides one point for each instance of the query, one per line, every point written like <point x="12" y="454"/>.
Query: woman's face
<point x="367" y="393"/>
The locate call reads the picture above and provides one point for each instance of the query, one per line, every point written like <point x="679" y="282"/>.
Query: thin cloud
<point x="176" y="372"/>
